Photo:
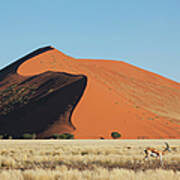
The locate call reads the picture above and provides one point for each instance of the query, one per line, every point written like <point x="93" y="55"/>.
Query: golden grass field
<point x="86" y="160"/>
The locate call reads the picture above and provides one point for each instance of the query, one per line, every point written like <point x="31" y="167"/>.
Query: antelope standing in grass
<point x="153" y="152"/>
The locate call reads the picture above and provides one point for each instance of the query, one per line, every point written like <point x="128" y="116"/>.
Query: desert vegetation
<point x="62" y="136"/>
<point x="13" y="97"/>
<point x="34" y="136"/>
<point x="115" y="135"/>
<point x="86" y="160"/>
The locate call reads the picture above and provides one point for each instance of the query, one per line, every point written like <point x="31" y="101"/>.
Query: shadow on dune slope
<point x="35" y="104"/>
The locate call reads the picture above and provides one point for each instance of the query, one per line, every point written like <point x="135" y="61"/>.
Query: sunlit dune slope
<point x="118" y="97"/>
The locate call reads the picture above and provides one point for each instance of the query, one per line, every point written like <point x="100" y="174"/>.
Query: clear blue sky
<point x="141" y="32"/>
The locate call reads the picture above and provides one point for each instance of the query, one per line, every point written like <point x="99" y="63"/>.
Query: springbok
<point x="153" y="152"/>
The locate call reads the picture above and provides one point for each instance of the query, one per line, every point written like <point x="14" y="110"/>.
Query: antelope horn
<point x="167" y="145"/>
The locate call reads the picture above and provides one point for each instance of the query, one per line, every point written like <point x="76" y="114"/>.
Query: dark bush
<point x="5" y="136"/>
<point x="29" y="136"/>
<point x="63" y="136"/>
<point x="101" y="138"/>
<point x="115" y="135"/>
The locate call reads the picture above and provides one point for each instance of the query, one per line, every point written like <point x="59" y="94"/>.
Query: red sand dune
<point x="118" y="97"/>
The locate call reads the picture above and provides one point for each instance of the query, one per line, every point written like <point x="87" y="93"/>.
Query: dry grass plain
<point x="86" y="160"/>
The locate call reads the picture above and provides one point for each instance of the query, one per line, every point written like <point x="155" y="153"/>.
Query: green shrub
<point x="115" y="135"/>
<point x="5" y="136"/>
<point x="14" y="97"/>
<point x="29" y="136"/>
<point x="10" y="137"/>
<point x="63" y="136"/>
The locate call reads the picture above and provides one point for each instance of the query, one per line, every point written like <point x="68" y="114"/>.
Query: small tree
<point x="5" y="136"/>
<point x="63" y="136"/>
<point x="115" y="135"/>
<point x="55" y="136"/>
<point x="29" y="136"/>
